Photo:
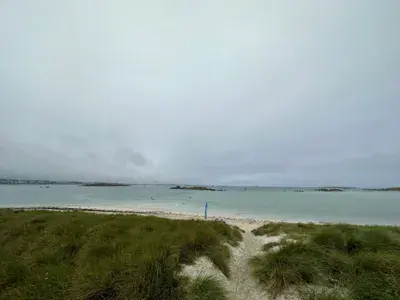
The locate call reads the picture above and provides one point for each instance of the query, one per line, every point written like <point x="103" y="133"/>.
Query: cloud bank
<point x="215" y="92"/>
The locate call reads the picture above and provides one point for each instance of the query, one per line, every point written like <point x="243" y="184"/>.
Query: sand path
<point x="241" y="285"/>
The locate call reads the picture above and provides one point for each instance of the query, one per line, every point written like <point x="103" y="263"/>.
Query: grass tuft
<point x="323" y="295"/>
<point x="362" y="261"/>
<point x="278" y="228"/>
<point x="270" y="245"/>
<point x="206" y="288"/>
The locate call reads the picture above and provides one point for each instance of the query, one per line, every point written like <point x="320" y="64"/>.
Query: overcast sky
<point x="203" y="92"/>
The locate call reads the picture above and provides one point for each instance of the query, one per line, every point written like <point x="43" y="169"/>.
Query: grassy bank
<point x="331" y="262"/>
<point x="72" y="255"/>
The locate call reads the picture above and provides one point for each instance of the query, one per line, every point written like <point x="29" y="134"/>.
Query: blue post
<point x="205" y="211"/>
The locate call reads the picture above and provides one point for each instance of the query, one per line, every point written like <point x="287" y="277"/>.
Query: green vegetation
<point x="76" y="255"/>
<point x="358" y="262"/>
<point x="323" y="295"/>
<point x="270" y="245"/>
<point x="293" y="230"/>
<point x="206" y="288"/>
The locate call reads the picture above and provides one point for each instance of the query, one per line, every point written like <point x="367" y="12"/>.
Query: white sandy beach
<point x="246" y="224"/>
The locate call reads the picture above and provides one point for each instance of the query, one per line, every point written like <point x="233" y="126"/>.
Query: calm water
<point x="261" y="203"/>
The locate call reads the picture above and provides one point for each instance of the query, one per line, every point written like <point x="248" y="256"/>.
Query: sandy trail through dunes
<point x="241" y="285"/>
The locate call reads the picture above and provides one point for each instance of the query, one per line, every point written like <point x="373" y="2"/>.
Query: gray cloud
<point x="127" y="156"/>
<point x="264" y="93"/>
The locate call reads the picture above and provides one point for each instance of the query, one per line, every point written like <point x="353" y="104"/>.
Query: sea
<point x="277" y="204"/>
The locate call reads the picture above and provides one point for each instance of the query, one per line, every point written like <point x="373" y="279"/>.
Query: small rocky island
<point x="329" y="190"/>
<point x="391" y="189"/>
<point x="105" y="184"/>
<point x="193" y="188"/>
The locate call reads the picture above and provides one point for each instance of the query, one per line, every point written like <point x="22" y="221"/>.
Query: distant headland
<point x="391" y="189"/>
<point x="104" y="184"/>
<point x="14" y="181"/>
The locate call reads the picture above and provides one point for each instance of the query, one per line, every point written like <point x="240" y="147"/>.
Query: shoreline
<point x="242" y="222"/>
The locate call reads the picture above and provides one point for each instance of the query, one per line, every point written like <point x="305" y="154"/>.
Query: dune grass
<point x="76" y="255"/>
<point x="323" y="295"/>
<point x="206" y="288"/>
<point x="270" y="245"/>
<point x="363" y="262"/>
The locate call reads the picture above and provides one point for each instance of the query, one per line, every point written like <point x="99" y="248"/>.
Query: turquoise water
<point x="261" y="203"/>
